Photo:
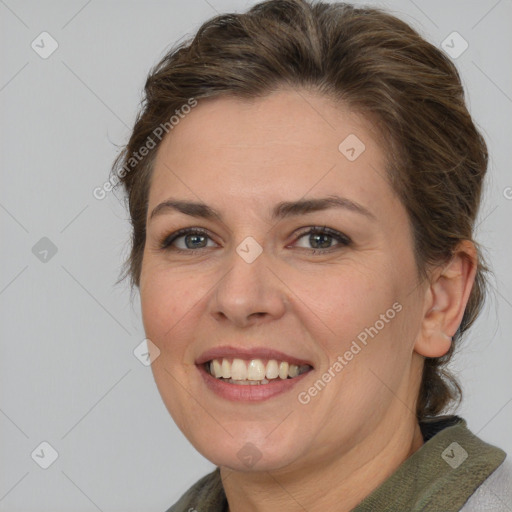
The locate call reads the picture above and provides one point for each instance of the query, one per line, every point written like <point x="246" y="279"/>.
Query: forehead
<point x="286" y="145"/>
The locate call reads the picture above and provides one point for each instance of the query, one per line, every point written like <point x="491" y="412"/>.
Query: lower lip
<point x="248" y="392"/>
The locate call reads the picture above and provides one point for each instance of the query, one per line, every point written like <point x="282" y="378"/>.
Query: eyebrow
<point x="281" y="210"/>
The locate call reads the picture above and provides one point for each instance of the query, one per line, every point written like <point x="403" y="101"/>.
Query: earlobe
<point x="445" y="301"/>
<point x="433" y="343"/>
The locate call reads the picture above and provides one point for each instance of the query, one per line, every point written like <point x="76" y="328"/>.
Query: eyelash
<point x="344" y="240"/>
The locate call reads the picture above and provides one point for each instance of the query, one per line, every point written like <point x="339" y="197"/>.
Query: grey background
<point x="68" y="373"/>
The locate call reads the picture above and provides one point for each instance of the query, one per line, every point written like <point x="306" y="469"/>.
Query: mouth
<point x="243" y="374"/>
<point x="253" y="372"/>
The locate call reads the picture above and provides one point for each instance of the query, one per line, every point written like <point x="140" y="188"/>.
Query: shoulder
<point x="206" y="495"/>
<point x="495" y="493"/>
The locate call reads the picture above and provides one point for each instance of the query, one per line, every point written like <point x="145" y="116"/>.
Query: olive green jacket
<point x="453" y="471"/>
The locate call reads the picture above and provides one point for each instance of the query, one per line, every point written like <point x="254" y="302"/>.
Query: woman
<point x="303" y="182"/>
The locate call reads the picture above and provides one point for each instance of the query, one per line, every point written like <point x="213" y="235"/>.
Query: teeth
<point x="238" y="370"/>
<point x="248" y="382"/>
<point x="226" y="369"/>
<point x="272" y="369"/>
<point x="256" y="370"/>
<point x="293" y="370"/>
<point x="216" y="368"/>
<point x="283" y="370"/>
<point x="253" y="372"/>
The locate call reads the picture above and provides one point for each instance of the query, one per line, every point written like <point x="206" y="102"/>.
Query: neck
<point x="337" y="484"/>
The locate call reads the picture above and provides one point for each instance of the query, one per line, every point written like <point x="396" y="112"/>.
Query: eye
<point x="321" y="238"/>
<point x="193" y="239"/>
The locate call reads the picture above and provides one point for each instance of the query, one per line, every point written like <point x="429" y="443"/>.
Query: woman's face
<point x="345" y="300"/>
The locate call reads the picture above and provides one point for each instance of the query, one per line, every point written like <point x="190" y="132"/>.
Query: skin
<point x="241" y="158"/>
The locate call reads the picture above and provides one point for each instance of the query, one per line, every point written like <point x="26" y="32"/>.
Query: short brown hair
<point x="377" y="65"/>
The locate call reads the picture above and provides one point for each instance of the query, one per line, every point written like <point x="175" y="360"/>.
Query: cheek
<point x="347" y="299"/>
<point x="366" y="325"/>
<point x="167" y="303"/>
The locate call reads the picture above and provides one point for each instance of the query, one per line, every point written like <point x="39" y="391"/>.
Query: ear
<point x="445" y="301"/>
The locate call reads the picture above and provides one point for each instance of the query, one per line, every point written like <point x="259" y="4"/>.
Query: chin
<point x="251" y="453"/>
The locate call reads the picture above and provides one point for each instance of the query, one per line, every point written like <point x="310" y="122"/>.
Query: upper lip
<point x="249" y="353"/>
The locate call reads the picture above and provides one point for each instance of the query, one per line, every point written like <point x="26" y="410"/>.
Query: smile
<point x="250" y="374"/>
<point x="253" y="372"/>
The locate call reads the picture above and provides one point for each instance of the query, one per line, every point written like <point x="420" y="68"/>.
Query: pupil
<point x="326" y="242"/>
<point x="194" y="239"/>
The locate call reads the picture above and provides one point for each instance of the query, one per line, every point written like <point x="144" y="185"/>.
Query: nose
<point x="249" y="293"/>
